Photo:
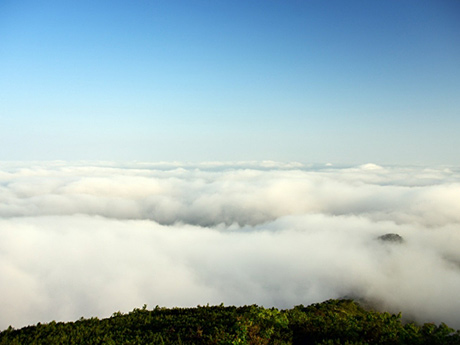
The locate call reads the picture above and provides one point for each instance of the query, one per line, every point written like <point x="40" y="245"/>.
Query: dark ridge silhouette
<point x="394" y="238"/>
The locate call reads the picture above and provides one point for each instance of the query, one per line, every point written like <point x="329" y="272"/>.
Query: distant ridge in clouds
<point x="89" y="239"/>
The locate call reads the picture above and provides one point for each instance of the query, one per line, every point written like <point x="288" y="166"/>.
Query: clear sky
<point x="310" y="81"/>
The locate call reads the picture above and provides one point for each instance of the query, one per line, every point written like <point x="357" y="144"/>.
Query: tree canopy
<point x="331" y="322"/>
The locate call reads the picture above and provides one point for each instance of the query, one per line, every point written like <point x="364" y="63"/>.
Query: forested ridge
<point x="332" y="322"/>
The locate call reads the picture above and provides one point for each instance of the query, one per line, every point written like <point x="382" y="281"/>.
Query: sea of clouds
<point x="89" y="239"/>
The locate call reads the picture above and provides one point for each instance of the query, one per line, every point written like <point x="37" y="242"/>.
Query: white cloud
<point x="84" y="240"/>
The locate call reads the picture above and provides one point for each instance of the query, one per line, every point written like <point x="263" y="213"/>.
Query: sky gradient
<point x="340" y="82"/>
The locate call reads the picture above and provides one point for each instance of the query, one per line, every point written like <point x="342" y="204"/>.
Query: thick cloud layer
<point x="87" y="240"/>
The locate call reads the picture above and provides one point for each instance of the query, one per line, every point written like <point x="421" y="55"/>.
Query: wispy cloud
<point x="90" y="239"/>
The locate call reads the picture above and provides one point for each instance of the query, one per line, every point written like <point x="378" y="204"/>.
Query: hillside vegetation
<point x="330" y="322"/>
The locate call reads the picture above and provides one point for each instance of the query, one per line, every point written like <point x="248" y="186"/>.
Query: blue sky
<point x="310" y="81"/>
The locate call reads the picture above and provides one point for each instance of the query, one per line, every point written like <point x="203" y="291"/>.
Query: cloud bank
<point x="90" y="239"/>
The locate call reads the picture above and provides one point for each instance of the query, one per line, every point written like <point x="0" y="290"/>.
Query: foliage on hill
<point x="330" y="322"/>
